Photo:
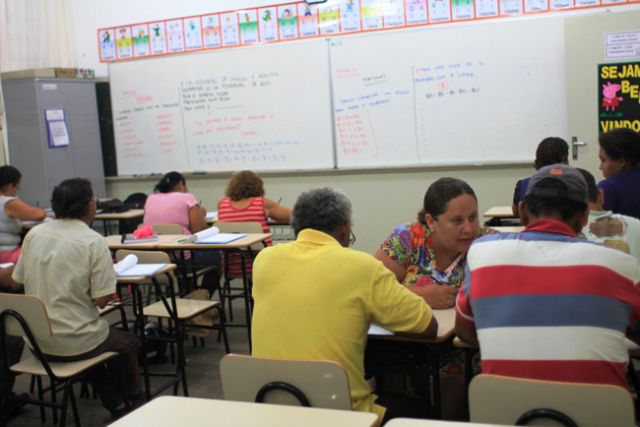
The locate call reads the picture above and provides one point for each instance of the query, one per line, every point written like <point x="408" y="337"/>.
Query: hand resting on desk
<point x="437" y="296"/>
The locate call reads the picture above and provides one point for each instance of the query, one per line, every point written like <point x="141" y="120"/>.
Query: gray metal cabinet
<point x="42" y="166"/>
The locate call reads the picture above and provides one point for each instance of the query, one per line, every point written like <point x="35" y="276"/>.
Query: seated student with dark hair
<point x="12" y="211"/>
<point x="172" y="203"/>
<point x="616" y="231"/>
<point x="550" y="150"/>
<point x="620" y="165"/>
<point x="315" y="298"/>
<point x="68" y="265"/>
<point x="545" y="304"/>
<point x="428" y="256"/>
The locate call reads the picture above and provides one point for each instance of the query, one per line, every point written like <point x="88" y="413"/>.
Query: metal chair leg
<point x="223" y="327"/>
<point x="65" y="403"/>
<point x="54" y="394"/>
<point x="43" y="417"/>
<point x="74" y="407"/>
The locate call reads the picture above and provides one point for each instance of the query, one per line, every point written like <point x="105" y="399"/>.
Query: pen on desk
<point x="189" y="239"/>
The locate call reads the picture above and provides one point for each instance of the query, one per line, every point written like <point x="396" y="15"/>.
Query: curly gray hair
<point x="323" y="209"/>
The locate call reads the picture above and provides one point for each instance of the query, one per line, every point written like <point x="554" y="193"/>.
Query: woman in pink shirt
<point x="173" y="204"/>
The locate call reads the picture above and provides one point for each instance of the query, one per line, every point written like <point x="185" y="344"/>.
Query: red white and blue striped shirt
<point x="550" y="306"/>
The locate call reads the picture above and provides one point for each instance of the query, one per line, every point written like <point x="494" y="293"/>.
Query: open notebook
<point x="212" y="235"/>
<point x="129" y="267"/>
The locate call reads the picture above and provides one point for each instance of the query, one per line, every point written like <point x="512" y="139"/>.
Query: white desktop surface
<point x="410" y="422"/>
<point x="173" y="411"/>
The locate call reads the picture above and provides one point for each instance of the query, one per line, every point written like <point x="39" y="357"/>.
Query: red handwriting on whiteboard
<point x="355" y="135"/>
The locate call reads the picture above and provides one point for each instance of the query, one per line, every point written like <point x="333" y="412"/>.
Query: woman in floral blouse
<point x="432" y="251"/>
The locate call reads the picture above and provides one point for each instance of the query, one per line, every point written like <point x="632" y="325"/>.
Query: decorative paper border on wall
<point x="295" y="21"/>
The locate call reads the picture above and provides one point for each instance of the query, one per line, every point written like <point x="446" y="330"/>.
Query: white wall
<point x="381" y="199"/>
<point x="3" y="130"/>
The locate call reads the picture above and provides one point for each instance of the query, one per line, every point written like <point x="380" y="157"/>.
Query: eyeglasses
<point x="352" y="238"/>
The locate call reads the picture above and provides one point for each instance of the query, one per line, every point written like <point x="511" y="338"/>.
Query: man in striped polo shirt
<point x="544" y="304"/>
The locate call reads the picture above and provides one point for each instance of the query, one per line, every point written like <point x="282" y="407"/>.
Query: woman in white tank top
<point x="12" y="211"/>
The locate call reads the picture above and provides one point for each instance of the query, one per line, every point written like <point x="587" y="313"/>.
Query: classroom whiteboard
<point x="262" y="108"/>
<point x="475" y="94"/>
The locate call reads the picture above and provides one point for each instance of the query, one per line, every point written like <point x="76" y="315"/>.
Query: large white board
<point x="263" y="108"/>
<point x="482" y="93"/>
<point x="485" y="93"/>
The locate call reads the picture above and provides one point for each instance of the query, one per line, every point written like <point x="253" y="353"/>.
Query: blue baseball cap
<point x="574" y="186"/>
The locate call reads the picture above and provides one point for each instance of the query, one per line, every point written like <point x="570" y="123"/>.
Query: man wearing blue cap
<point x="544" y="304"/>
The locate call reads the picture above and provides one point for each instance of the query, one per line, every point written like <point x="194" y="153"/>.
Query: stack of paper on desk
<point x="129" y="267"/>
<point x="212" y="235"/>
<point x="131" y="238"/>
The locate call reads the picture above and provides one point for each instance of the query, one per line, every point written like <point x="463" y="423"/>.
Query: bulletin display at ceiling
<point x="298" y="20"/>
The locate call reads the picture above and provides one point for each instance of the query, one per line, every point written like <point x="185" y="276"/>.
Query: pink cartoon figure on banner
<point x="610" y="98"/>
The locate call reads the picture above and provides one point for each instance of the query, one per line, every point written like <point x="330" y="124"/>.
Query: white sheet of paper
<point x="221" y="238"/>
<point x="126" y="263"/>
<point x="58" y="133"/>
<point x="378" y="330"/>
<point x="142" y="270"/>
<point x="208" y="232"/>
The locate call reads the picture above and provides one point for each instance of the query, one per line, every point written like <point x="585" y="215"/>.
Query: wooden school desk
<point x="495" y="215"/>
<point x="412" y="422"/>
<point x="282" y="231"/>
<point x="499" y="212"/>
<point x="173" y="411"/>
<point x="242" y="244"/>
<point x="508" y="228"/>
<point x="118" y="216"/>
<point x="446" y="323"/>
<point x="138" y="312"/>
<point x="169" y="242"/>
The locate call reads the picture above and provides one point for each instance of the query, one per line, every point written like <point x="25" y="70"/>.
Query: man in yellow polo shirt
<point x="315" y="298"/>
